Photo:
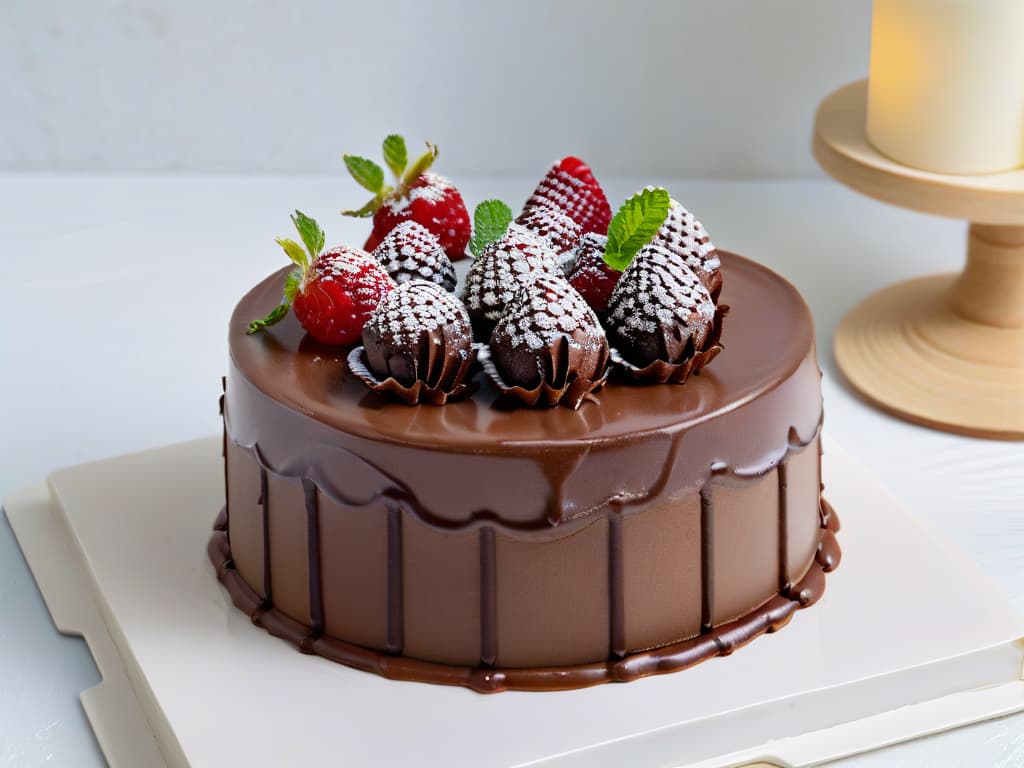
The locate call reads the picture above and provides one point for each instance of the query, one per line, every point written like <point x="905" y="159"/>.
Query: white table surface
<point x="115" y="299"/>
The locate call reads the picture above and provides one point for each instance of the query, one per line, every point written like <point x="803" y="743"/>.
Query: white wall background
<point x="674" y="87"/>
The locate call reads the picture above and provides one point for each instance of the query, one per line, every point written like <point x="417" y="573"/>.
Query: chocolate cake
<point x="494" y="545"/>
<point x="596" y="459"/>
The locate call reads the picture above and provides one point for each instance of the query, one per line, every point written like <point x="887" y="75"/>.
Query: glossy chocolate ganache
<point x="497" y="546"/>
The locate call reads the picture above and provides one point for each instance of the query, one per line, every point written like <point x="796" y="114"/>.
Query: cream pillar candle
<point x="946" y="86"/>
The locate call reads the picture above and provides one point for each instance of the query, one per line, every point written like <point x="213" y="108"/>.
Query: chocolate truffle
<point x="684" y="237"/>
<point x="500" y="271"/>
<point x="661" y="320"/>
<point x="410" y="251"/>
<point x="417" y="345"/>
<point x="548" y="348"/>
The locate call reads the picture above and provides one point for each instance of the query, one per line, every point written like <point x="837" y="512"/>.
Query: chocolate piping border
<point x="719" y="641"/>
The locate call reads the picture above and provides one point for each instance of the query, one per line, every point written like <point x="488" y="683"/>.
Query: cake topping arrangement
<point x="684" y="237"/>
<point x="502" y="268"/>
<point x="417" y="345"/>
<point x="548" y="348"/>
<point x="411" y="252"/>
<point x="661" y="320"/>
<point x="571" y="187"/>
<point x="556" y="297"/>
<point x="418" y="195"/>
<point x="332" y="292"/>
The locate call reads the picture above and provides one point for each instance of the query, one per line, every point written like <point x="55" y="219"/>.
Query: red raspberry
<point x="571" y="186"/>
<point x="333" y="292"/>
<point x="590" y="275"/>
<point x="432" y="202"/>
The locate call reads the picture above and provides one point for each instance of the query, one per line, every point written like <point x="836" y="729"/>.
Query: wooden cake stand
<point x="946" y="351"/>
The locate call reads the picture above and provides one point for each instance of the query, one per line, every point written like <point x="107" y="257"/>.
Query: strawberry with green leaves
<point x="418" y="195"/>
<point x="332" y="292"/>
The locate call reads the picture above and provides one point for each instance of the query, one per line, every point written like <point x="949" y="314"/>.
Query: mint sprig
<point x="395" y="154"/>
<point x="490" y="220"/>
<point x="312" y="235"/>
<point x="634" y="225"/>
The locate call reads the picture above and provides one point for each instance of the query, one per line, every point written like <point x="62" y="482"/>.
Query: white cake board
<point x="910" y="639"/>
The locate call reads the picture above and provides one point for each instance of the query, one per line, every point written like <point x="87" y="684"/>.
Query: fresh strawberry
<point x="434" y="203"/>
<point x="411" y="252"/>
<point x="571" y="186"/>
<point x="426" y="198"/>
<point x="332" y="292"/>
<point x="592" y="277"/>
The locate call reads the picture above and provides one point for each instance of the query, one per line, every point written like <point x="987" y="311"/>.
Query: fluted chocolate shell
<point x="548" y="348"/>
<point x="662" y="322"/>
<point x="417" y="345"/>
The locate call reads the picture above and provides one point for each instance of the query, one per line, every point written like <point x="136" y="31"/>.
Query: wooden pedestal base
<point x="921" y="349"/>
<point x="946" y="351"/>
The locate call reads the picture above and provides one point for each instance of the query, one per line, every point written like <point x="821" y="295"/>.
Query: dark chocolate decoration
<point x="685" y="237"/>
<point x="417" y="345"/>
<point x="550" y="222"/>
<point x="548" y="348"/>
<point x="410" y="251"/>
<point x="500" y="271"/>
<point x="662" y="323"/>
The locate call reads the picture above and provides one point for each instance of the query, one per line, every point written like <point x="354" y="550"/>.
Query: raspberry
<point x="590" y="275"/>
<point x="570" y="185"/>
<point x="332" y="292"/>
<point x="411" y="252"/>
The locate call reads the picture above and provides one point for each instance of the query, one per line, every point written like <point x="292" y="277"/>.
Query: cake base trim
<point x="718" y="641"/>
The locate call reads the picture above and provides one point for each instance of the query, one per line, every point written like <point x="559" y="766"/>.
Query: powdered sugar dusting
<point x="504" y="267"/>
<point x="657" y="289"/>
<point x="551" y="223"/>
<point x="686" y="237"/>
<point x="545" y="310"/>
<point x="411" y="252"/>
<point x="415" y="307"/>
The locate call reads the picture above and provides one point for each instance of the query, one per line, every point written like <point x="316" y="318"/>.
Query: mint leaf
<point x="275" y="316"/>
<point x="292" y="283"/>
<point x="312" y="234"/>
<point x="367" y="173"/>
<point x="636" y="222"/>
<point x="421" y="165"/>
<point x="367" y="210"/>
<point x="395" y="154"/>
<point x="294" y="251"/>
<point x="490" y="220"/>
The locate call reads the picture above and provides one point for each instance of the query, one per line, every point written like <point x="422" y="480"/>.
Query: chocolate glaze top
<point x="634" y="443"/>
